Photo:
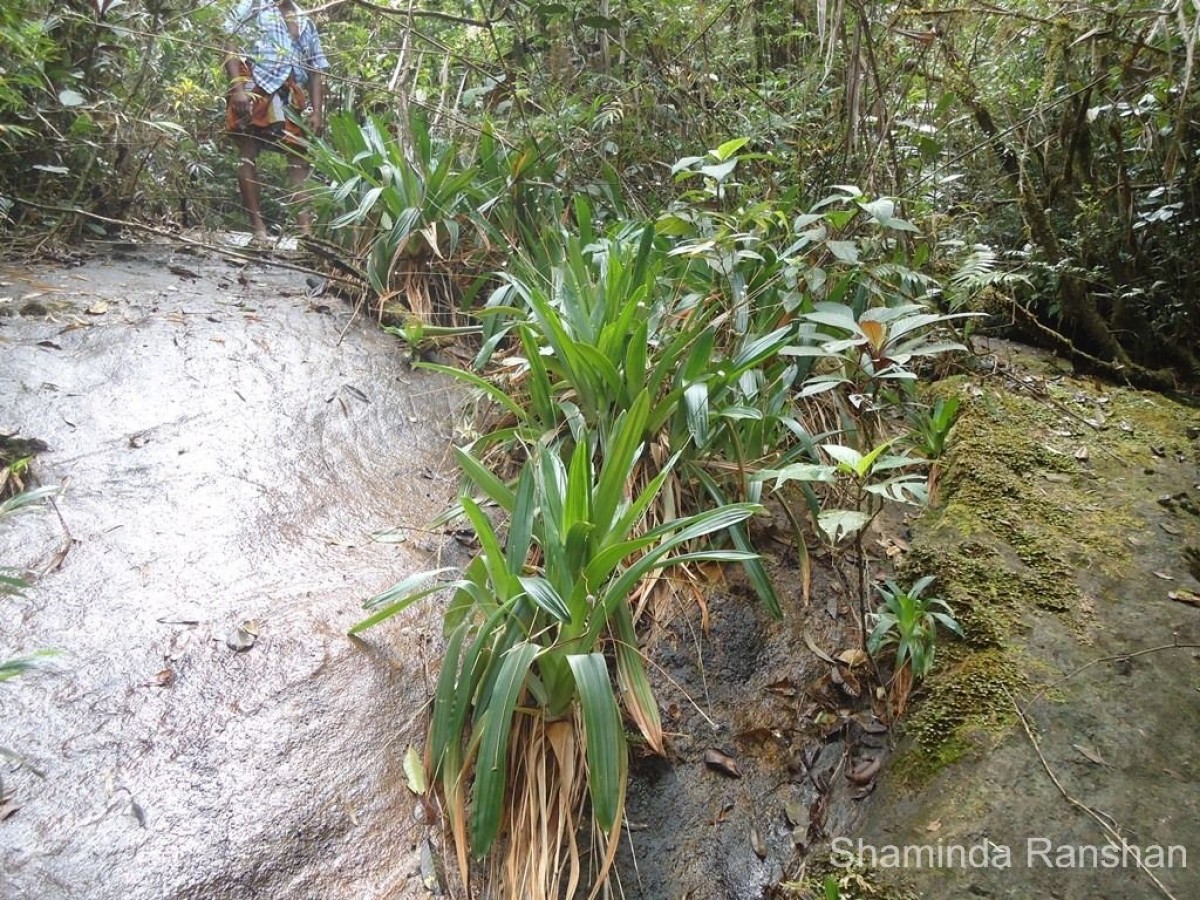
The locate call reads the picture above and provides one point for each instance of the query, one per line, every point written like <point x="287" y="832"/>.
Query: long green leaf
<point x="759" y="579"/>
<point x="624" y="448"/>
<point x="503" y="580"/>
<point x="520" y="526"/>
<point x="607" y="756"/>
<point x="483" y="384"/>
<point x="543" y="593"/>
<point x="399" y="597"/>
<point x="26" y="499"/>
<point x="491" y="770"/>
<point x="483" y="477"/>
<point x="444" y="740"/>
<point x="695" y="401"/>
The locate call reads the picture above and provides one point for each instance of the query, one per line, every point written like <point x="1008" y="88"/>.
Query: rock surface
<point x="226" y="445"/>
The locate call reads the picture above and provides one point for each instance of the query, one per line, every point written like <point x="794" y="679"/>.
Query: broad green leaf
<point x="495" y="728"/>
<point x="719" y="171"/>
<point x="808" y="472"/>
<point x="847" y="456"/>
<point x="840" y="523"/>
<point x="846" y="251"/>
<point x="544" y="595"/>
<point x="881" y="210"/>
<point x="607" y="757"/>
<point x="730" y="147"/>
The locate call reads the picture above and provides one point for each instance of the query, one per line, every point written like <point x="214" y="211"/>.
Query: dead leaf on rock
<point x="721" y="816"/>
<point x="414" y="771"/>
<point x="820" y="654"/>
<point x="1184" y="596"/>
<point x="1091" y="754"/>
<point x="243" y="637"/>
<point x="865" y="771"/>
<point x="756" y="844"/>
<point x="846" y="681"/>
<point x="98" y="308"/>
<point x="796" y="814"/>
<point x="783" y="687"/>
<point x="721" y="762"/>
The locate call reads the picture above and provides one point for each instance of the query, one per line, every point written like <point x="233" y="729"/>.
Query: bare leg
<point x="297" y="175"/>
<point x="249" y="185"/>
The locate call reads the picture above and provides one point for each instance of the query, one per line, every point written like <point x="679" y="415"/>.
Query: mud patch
<point x="748" y="697"/>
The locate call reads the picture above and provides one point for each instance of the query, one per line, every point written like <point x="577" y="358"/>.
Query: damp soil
<point x="226" y="443"/>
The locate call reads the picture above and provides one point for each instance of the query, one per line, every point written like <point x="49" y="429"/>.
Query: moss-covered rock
<point x="1023" y="506"/>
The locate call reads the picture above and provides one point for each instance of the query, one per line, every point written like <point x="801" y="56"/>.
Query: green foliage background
<point x="1063" y="139"/>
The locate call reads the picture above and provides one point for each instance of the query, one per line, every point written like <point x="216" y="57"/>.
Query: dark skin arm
<point x="239" y="92"/>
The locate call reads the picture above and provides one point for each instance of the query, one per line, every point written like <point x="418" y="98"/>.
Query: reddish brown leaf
<point x="721" y="762"/>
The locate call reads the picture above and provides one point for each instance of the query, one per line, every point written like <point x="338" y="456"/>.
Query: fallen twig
<point x="1108" y="824"/>
<point x="238" y="253"/>
<point x="1120" y="656"/>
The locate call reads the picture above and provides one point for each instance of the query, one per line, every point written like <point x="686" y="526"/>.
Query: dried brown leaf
<point x="1184" y="596"/>
<point x="721" y="762"/>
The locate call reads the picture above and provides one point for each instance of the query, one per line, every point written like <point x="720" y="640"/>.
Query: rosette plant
<point x="527" y="738"/>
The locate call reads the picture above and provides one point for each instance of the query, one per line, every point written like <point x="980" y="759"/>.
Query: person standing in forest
<point x="275" y="66"/>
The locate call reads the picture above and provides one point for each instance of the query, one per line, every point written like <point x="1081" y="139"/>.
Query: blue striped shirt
<point x="268" y="45"/>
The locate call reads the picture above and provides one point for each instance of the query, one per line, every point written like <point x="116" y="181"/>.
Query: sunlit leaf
<point x="841" y="523"/>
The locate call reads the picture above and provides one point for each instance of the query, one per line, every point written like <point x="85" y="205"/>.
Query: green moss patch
<point x="1029" y="497"/>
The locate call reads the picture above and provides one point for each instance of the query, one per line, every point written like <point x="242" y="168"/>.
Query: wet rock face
<point x="226" y="449"/>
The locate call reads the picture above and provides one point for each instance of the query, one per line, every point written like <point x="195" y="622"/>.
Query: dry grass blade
<point x="540" y="859"/>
